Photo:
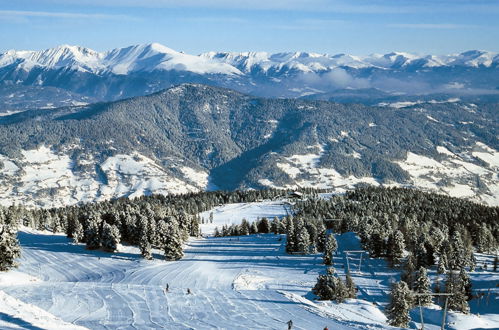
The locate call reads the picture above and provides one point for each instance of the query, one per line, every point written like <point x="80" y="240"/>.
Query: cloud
<point x="439" y="26"/>
<point x="63" y="15"/>
<point x="336" y="78"/>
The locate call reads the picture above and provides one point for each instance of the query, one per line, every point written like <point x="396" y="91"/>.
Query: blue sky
<point x="194" y="26"/>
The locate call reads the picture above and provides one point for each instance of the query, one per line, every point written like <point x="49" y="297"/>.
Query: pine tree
<point x="409" y="269"/>
<point x="274" y="225"/>
<point x="350" y="285"/>
<point x="145" y="247"/>
<point x="321" y="238"/>
<point x="9" y="246"/>
<point x="465" y="282"/>
<point x="400" y="304"/>
<point x="264" y="226"/>
<point x="458" y="301"/>
<point x="244" y="227"/>
<point x="396" y="247"/>
<point x="329" y="249"/>
<point x="422" y="286"/>
<point x="302" y="244"/>
<point x="110" y="237"/>
<point x="442" y="264"/>
<point x="92" y="237"/>
<point x="290" y="235"/>
<point x="77" y="232"/>
<point x="173" y="241"/>
<point x="330" y="287"/>
<point x="253" y="228"/>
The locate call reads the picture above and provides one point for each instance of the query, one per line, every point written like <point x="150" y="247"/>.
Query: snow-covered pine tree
<point x="321" y="238"/>
<point x="351" y="289"/>
<point x="458" y="301"/>
<point x="302" y="244"/>
<point x="409" y="269"/>
<point x="9" y="246"/>
<point x="466" y="283"/>
<point x="442" y="264"/>
<point x="422" y="286"/>
<point x="264" y="226"/>
<point x="110" y="237"/>
<point x="77" y="232"/>
<point x="92" y="237"/>
<point x="331" y="246"/>
<point x="274" y="225"/>
<point x="324" y="287"/>
<point x="253" y="228"/>
<point x="194" y="230"/>
<point x="173" y="241"/>
<point x="244" y="227"/>
<point x="290" y="235"/>
<point x="145" y="247"/>
<point x="401" y="300"/>
<point x="396" y="247"/>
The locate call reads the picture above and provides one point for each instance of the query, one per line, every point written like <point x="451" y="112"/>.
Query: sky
<point x="358" y="27"/>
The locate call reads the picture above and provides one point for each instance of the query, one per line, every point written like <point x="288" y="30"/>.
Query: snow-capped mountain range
<point x="154" y="56"/>
<point x="144" y="69"/>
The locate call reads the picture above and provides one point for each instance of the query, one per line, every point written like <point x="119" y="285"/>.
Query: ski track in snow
<point x="101" y="290"/>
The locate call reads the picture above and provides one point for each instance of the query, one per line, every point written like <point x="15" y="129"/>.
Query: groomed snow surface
<point x="236" y="283"/>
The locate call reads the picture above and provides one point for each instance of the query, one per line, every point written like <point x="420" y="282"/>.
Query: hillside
<point x="195" y="137"/>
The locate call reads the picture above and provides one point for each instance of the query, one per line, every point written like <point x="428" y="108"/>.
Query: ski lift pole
<point x="445" y="313"/>
<point x="421" y="316"/>
<point x="445" y="307"/>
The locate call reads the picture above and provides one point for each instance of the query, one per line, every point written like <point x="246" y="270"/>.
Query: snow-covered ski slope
<point x="246" y="282"/>
<point x="229" y="214"/>
<point x="235" y="284"/>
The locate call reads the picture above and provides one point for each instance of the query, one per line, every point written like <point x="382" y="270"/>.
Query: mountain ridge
<point x="143" y="69"/>
<point x="192" y="136"/>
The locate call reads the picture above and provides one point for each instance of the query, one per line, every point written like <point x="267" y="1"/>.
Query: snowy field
<point x="236" y="283"/>
<point x="234" y="213"/>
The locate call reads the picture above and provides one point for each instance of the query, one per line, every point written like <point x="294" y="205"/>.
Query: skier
<point x="188" y="291"/>
<point x="290" y="324"/>
<point x="167" y="287"/>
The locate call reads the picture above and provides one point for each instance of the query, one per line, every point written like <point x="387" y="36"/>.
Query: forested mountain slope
<point x="194" y="137"/>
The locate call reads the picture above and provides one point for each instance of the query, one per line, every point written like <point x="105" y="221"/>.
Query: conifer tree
<point x="442" y="264"/>
<point x="422" y="286"/>
<point x="244" y="227"/>
<point x="466" y="284"/>
<point x="350" y="286"/>
<point x="9" y="246"/>
<point x="173" y="241"/>
<point x="329" y="249"/>
<point x="401" y="300"/>
<point x="302" y="244"/>
<point x="110" y="237"/>
<point x="92" y="237"/>
<point x="396" y="247"/>
<point x="145" y="247"/>
<point x="264" y="226"/>
<point x="458" y="301"/>
<point x="77" y="232"/>
<point x="321" y="238"/>
<point x="290" y="235"/>
<point x="409" y="269"/>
